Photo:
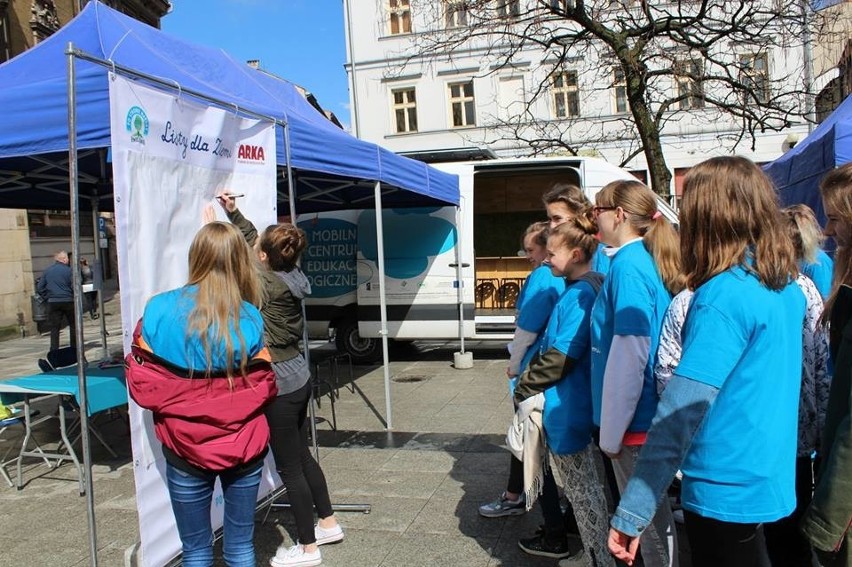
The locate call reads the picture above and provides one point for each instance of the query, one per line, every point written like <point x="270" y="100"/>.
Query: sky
<point x="302" y="41"/>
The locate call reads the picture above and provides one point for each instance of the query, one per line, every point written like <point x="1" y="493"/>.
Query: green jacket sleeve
<point x="827" y="520"/>
<point x="245" y="226"/>
<point x="545" y="370"/>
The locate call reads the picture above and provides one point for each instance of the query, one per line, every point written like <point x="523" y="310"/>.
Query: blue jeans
<point x="191" y="497"/>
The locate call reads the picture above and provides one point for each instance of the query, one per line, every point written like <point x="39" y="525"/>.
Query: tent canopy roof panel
<point x="34" y="129"/>
<point x="798" y="172"/>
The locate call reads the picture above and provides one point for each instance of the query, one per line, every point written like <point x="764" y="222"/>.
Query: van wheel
<point x="348" y="340"/>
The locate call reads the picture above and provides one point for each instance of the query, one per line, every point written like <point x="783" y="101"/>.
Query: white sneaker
<point x="328" y="535"/>
<point x="295" y="557"/>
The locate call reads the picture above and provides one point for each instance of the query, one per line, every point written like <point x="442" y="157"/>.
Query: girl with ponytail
<point x="625" y="325"/>
<point x="561" y="371"/>
<point x="278" y="249"/>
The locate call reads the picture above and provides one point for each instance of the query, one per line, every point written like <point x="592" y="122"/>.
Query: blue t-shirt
<point x="746" y="340"/>
<point x="165" y="327"/>
<point x="820" y="272"/>
<point x="539" y="295"/>
<point x="632" y="301"/>
<point x="568" y="403"/>
<point x="600" y="261"/>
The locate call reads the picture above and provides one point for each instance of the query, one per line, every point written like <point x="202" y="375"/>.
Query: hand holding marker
<point x="228" y="200"/>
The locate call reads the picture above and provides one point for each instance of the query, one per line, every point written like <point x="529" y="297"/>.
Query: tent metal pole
<point x="459" y="278"/>
<point x="291" y="189"/>
<point x="78" y="301"/>
<point x="383" y="307"/>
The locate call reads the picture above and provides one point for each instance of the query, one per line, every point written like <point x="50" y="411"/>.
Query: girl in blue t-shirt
<point x="807" y="239"/>
<point x="561" y="372"/>
<point x="728" y="417"/>
<point x="626" y="320"/>
<point x="565" y="201"/>
<point x="535" y="303"/>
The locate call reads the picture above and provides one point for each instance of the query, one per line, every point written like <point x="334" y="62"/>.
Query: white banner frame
<point x="171" y="155"/>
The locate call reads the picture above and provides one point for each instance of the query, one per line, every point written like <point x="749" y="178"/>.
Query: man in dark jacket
<point x="55" y="285"/>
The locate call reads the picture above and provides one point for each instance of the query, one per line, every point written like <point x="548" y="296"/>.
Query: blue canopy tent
<point x="797" y="173"/>
<point x="333" y="170"/>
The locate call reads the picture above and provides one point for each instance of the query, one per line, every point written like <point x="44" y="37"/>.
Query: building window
<point x="399" y="12"/>
<point x="619" y="84"/>
<point x="456" y="12"/>
<point x="508" y="8"/>
<point x="566" y="96"/>
<point x="688" y="74"/>
<point x="754" y="74"/>
<point x="405" y="110"/>
<point x="462" y="107"/>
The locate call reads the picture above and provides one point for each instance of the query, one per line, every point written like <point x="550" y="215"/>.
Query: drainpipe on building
<point x="350" y="54"/>
<point x="808" y="71"/>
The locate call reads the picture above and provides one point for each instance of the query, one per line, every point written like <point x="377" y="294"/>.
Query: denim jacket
<point x="680" y="412"/>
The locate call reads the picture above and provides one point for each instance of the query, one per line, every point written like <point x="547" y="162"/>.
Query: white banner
<point x="170" y="157"/>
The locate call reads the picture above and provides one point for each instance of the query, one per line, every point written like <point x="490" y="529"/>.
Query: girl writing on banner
<point x="284" y="286"/>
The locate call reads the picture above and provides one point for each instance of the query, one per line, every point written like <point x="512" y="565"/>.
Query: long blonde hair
<point x="730" y="215"/>
<point x="836" y="191"/>
<point x="660" y="238"/>
<point x="804" y="231"/>
<point x="221" y="266"/>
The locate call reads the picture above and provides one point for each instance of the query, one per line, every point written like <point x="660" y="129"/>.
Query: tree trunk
<point x="659" y="175"/>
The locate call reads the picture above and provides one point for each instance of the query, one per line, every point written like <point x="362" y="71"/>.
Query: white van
<point x="499" y="199"/>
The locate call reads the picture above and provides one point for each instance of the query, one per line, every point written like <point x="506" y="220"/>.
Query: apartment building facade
<point x="416" y="87"/>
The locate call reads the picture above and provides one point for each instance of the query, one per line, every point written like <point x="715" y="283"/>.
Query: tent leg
<point x="74" y="189"/>
<point x="380" y="252"/>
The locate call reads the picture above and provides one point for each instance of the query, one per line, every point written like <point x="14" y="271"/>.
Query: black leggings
<point x="715" y="543"/>
<point x="301" y="474"/>
<point x="787" y="546"/>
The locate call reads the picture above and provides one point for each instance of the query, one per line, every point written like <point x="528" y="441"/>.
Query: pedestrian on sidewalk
<point x="278" y="249"/>
<point x="535" y="303"/>
<point x="785" y="543"/>
<point x="91" y="297"/>
<point x="55" y="285"/>
<point x="198" y="362"/>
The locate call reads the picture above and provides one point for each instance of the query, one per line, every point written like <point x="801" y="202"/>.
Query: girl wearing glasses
<point x="626" y="321"/>
<point x="728" y="417"/>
